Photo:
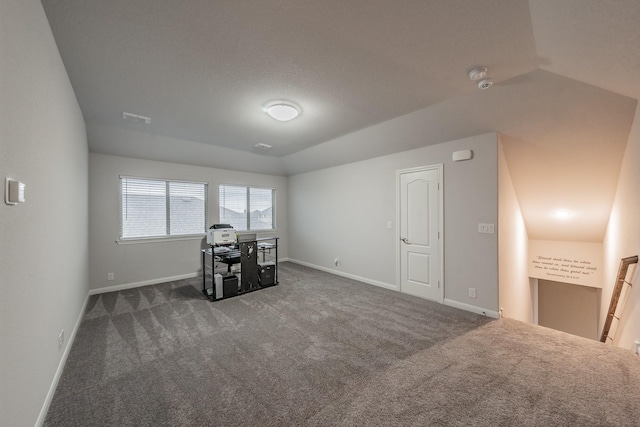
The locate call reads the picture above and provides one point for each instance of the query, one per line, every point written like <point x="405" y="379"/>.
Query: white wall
<point x="342" y="212"/>
<point x="516" y="298"/>
<point x="623" y="240"/>
<point x="43" y="242"/>
<point x="153" y="262"/>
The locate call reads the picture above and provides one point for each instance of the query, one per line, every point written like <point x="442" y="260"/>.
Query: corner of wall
<point x="514" y="287"/>
<point x="622" y="239"/>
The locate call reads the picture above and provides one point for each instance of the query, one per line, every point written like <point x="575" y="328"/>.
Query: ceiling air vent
<point x="136" y="118"/>
<point x="264" y="147"/>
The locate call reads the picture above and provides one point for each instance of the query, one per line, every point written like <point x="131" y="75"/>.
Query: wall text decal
<point x="563" y="268"/>
<point x="579" y="263"/>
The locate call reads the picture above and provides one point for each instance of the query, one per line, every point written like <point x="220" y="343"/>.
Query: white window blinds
<point x="247" y="208"/>
<point x="159" y="208"/>
<point x="261" y="208"/>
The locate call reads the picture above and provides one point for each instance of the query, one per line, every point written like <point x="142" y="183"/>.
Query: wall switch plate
<point x="486" y="228"/>
<point x="472" y="292"/>
<point x="110" y="276"/>
<point x="13" y="192"/>
<point x="389" y="224"/>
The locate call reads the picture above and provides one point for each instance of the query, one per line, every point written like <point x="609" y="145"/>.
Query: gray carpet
<point x="322" y="350"/>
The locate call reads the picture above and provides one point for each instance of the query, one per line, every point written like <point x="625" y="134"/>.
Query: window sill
<point x="163" y="239"/>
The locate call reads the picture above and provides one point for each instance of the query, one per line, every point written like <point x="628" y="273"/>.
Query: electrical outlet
<point x="61" y="340"/>
<point x="472" y="292"/>
<point x="110" y="276"/>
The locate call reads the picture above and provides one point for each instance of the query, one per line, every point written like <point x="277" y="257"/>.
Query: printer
<point x="221" y="234"/>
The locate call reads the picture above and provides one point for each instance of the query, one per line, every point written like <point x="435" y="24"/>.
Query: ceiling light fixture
<point x="562" y="214"/>
<point x="283" y="111"/>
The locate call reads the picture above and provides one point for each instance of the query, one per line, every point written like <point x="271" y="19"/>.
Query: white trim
<point x="533" y="284"/>
<point x="260" y="234"/>
<point x="138" y="240"/>
<point x="143" y="283"/>
<point x="440" y="168"/>
<point x="63" y="362"/>
<point x="472" y="308"/>
<point x="347" y="275"/>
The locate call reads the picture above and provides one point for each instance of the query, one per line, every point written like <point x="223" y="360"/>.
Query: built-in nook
<point x="569" y="308"/>
<point x="567" y="282"/>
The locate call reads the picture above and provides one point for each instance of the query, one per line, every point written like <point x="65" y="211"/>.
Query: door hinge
<point x="438" y="284"/>
<point x="438" y="186"/>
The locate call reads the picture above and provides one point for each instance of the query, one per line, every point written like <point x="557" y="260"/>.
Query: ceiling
<point x="373" y="77"/>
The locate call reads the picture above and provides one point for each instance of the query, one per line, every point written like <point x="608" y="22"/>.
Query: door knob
<point x="404" y="239"/>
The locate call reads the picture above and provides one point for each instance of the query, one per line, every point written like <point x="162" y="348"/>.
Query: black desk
<point x="233" y="255"/>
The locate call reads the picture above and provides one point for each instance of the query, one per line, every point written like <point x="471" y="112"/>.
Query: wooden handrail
<point x="615" y="296"/>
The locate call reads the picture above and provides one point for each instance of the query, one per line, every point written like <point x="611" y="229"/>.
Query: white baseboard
<point x="63" y="362"/>
<point x="347" y="275"/>
<point x="471" y="308"/>
<point x="449" y="302"/>
<point x="143" y="283"/>
<point x="72" y="337"/>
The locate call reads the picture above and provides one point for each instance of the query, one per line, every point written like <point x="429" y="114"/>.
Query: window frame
<point x="248" y="201"/>
<point x="167" y="182"/>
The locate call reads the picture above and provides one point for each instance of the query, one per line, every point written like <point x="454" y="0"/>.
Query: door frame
<point x="438" y="167"/>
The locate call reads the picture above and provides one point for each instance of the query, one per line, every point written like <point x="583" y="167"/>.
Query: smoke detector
<point x="478" y="73"/>
<point x="485" y="84"/>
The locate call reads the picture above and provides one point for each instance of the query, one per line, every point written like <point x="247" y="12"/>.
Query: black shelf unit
<point x="247" y="254"/>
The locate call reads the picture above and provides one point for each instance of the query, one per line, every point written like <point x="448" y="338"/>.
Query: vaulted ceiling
<point x="565" y="73"/>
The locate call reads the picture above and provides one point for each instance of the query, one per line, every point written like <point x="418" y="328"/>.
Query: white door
<point x="419" y="227"/>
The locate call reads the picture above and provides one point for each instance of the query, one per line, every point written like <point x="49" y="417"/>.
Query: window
<point x="161" y="208"/>
<point x="236" y="201"/>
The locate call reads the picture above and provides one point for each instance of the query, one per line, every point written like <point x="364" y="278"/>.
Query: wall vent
<point x="136" y="118"/>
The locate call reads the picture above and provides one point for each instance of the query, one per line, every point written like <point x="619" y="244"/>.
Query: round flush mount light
<point x="478" y="73"/>
<point x="282" y="111"/>
<point x="562" y="214"/>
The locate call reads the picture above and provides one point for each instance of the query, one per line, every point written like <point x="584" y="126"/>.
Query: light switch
<point x="389" y="224"/>
<point x="14" y="192"/>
